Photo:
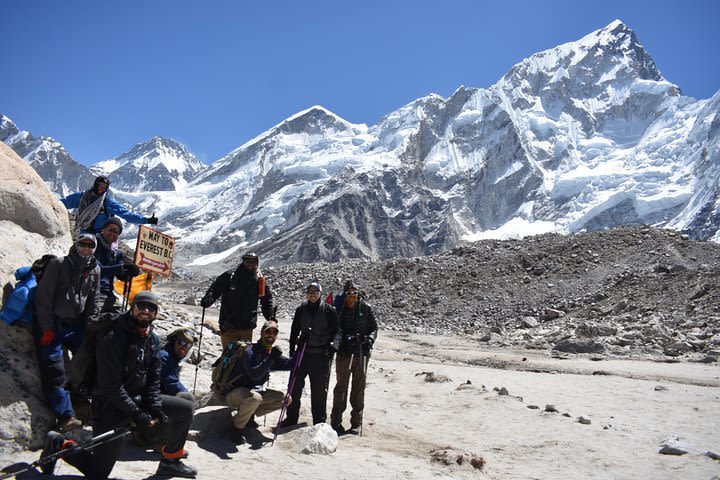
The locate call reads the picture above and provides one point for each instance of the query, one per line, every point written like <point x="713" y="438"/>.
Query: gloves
<point x="47" y="337"/>
<point x="206" y="301"/>
<point x="141" y="420"/>
<point x="334" y="347"/>
<point x="159" y="414"/>
<point x="369" y="342"/>
<point x="275" y="353"/>
<point x="132" y="270"/>
<point x="152" y="220"/>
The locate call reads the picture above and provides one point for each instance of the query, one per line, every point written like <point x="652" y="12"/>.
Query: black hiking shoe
<point x="53" y="443"/>
<point x="354" y="430"/>
<point x="287" y="423"/>
<point x="175" y="468"/>
<point x="252" y="423"/>
<point x="70" y="424"/>
<point x="238" y="436"/>
<point x="339" y="429"/>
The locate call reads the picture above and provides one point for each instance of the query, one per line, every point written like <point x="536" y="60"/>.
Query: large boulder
<point x="32" y="222"/>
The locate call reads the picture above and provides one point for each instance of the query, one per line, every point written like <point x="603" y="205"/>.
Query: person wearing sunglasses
<point x="65" y="302"/>
<point x="359" y="328"/>
<point x="111" y="263"/>
<point x="128" y="393"/>
<point x="316" y="325"/>
<point x="176" y="349"/>
<point x="96" y="205"/>
<point x="240" y="291"/>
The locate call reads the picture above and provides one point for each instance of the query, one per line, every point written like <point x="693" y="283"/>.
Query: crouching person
<point x="176" y="349"/>
<point x="252" y="398"/>
<point x="128" y="393"/>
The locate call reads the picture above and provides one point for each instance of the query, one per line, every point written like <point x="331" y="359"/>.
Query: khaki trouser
<point x="248" y="402"/>
<point x="343" y="370"/>
<point x="230" y="336"/>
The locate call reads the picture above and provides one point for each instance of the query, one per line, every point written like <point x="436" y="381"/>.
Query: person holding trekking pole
<point x="318" y="323"/>
<point x="127" y="393"/>
<point x="359" y="333"/>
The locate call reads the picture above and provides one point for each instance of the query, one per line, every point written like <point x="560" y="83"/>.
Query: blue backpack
<point x="18" y="307"/>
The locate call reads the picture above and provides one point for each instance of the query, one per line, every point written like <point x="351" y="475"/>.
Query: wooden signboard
<point x="154" y="251"/>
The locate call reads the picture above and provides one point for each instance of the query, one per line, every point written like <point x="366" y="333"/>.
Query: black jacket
<point x="256" y="365"/>
<point x="239" y="292"/>
<point x="321" y="321"/>
<point x="357" y="325"/>
<point x="128" y="376"/>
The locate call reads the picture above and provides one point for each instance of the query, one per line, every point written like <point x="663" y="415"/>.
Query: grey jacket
<point x="67" y="291"/>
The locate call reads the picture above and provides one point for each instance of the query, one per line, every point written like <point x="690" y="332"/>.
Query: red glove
<point x="47" y="337"/>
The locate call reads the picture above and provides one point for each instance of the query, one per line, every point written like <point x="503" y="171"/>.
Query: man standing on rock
<point x="359" y="333"/>
<point x="250" y="397"/>
<point x="128" y="393"/>
<point x="240" y="291"/>
<point x="96" y="205"/>
<point x="65" y="301"/>
<point x="316" y="325"/>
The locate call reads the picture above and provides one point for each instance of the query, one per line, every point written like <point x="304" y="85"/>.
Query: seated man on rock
<point x="250" y="397"/>
<point x="176" y="349"/>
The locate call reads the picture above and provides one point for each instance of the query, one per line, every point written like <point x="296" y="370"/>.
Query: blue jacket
<point x="170" y="371"/>
<point x="111" y="266"/>
<point x="256" y="365"/>
<point x="19" y="304"/>
<point x="111" y="208"/>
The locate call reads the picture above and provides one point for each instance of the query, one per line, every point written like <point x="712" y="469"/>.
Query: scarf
<point x="89" y="209"/>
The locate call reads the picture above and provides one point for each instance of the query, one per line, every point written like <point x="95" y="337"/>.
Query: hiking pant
<point x="346" y="366"/>
<point x="52" y="365"/>
<point x="229" y="336"/>
<point x="315" y="365"/>
<point x="249" y="402"/>
<point x="98" y="463"/>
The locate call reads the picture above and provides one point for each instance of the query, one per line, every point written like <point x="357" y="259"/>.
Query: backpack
<point x="83" y="366"/>
<point x="17" y="306"/>
<point x="224" y="367"/>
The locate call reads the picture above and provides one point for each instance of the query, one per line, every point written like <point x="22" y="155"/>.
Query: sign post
<point x="154" y="251"/>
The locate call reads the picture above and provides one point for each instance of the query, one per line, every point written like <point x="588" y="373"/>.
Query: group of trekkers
<point x="133" y="383"/>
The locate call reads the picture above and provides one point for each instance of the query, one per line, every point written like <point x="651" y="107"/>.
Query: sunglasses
<point x="85" y="245"/>
<point x="184" y="344"/>
<point x="146" y="306"/>
<point x="352" y="293"/>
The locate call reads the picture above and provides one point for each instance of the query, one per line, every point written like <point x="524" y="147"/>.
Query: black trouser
<point x="98" y="463"/>
<point x="316" y="365"/>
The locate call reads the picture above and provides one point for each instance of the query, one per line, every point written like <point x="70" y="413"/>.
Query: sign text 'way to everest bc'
<point x="154" y="251"/>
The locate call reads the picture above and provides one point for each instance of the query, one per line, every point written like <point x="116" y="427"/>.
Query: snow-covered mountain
<point x="157" y="164"/>
<point x="53" y="163"/>
<point x="584" y="136"/>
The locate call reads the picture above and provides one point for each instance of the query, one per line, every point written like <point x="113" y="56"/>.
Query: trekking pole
<point x="366" y="360"/>
<point x="126" y="293"/>
<point x="21" y="467"/>
<point x="291" y="385"/>
<point x="197" y="365"/>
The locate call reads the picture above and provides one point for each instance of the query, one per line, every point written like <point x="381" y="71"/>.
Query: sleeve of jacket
<point x="219" y="285"/>
<point x="170" y="383"/>
<point x="16" y="304"/>
<point x="45" y="295"/>
<point x="294" y="331"/>
<point x="266" y="302"/>
<point x="283" y="363"/>
<point x="110" y="356"/>
<point x="72" y="200"/>
<point x="91" y="312"/>
<point x="334" y="326"/>
<point x="115" y="208"/>
<point x="372" y="323"/>
<point x="151" y="398"/>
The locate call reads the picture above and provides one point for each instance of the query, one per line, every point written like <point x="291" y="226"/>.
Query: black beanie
<point x="101" y="179"/>
<point x="113" y="221"/>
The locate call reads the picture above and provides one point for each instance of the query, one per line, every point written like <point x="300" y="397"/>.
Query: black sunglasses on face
<point x="184" y="344"/>
<point x="146" y="306"/>
<point x="353" y="293"/>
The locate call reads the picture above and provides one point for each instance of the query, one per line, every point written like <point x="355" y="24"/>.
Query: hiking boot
<point x="354" y="430"/>
<point x="252" y="423"/>
<point x="238" y="436"/>
<point x="175" y="468"/>
<point x="339" y="429"/>
<point x="70" y="424"/>
<point x="287" y="423"/>
<point x="54" y="442"/>
<point x="158" y="448"/>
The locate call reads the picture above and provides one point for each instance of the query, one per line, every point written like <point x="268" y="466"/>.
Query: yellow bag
<point x="138" y="284"/>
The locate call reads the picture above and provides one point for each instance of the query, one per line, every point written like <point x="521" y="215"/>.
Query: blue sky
<point x="101" y="76"/>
